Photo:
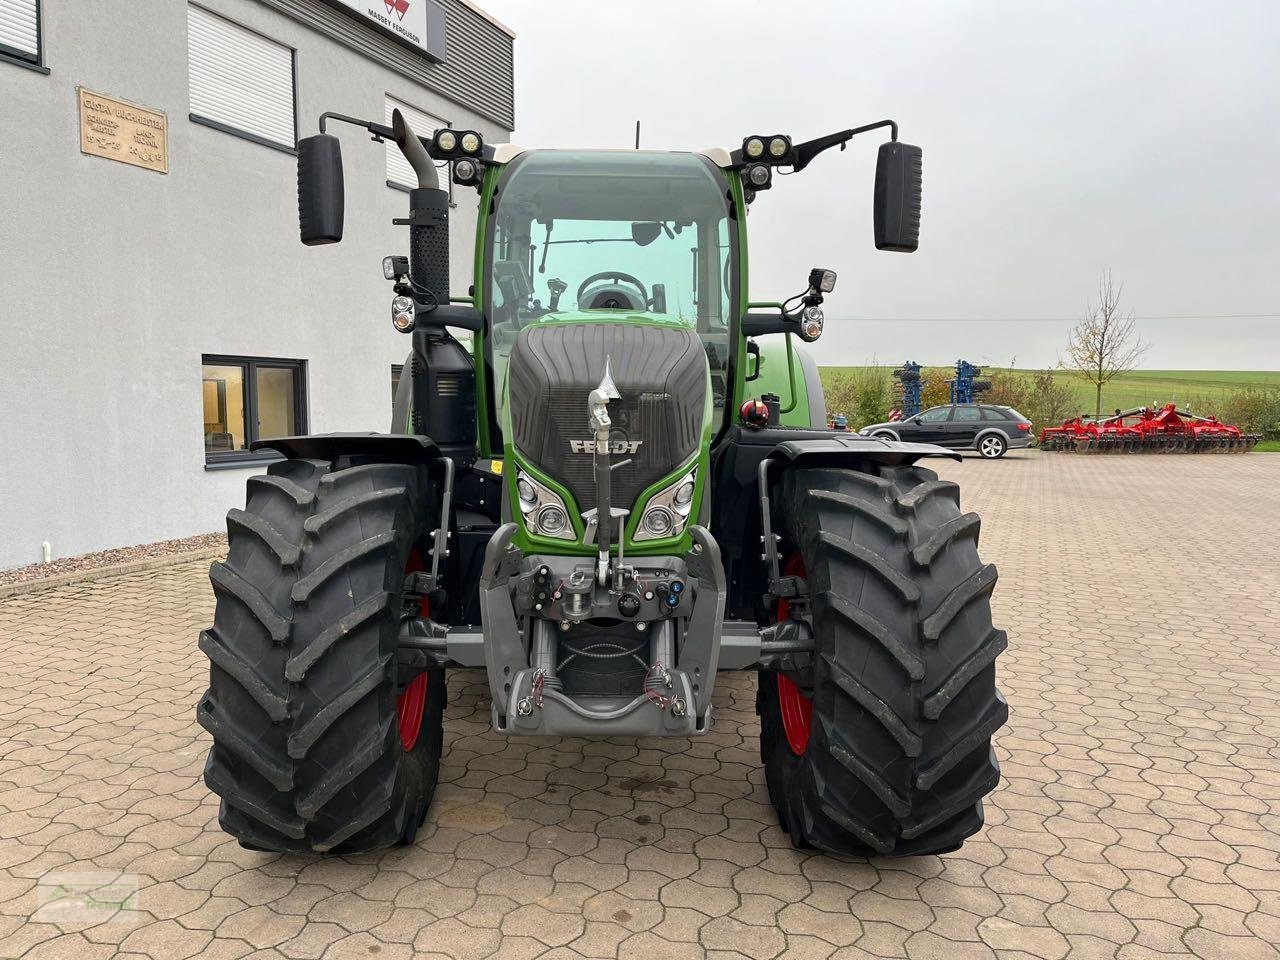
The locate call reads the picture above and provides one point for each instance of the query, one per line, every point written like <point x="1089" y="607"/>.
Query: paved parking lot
<point x="1139" y="815"/>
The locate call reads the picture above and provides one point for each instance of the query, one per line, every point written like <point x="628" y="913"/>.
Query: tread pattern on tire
<point x="904" y="696"/>
<point x="302" y="692"/>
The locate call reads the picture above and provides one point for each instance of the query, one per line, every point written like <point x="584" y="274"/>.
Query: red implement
<point x="1144" y="430"/>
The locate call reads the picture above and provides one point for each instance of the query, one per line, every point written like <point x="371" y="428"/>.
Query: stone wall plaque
<point x="122" y="131"/>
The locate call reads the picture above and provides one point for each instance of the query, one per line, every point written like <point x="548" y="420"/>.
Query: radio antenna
<point x="637" y="134"/>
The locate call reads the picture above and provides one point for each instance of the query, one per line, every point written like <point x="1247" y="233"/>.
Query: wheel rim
<point x="796" y="708"/>
<point x="411" y="705"/>
<point x="990" y="447"/>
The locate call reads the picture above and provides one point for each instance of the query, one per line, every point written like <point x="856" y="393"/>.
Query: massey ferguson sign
<point x="418" y="24"/>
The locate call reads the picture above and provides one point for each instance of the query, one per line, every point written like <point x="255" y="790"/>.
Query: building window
<point x="20" y="31"/>
<point x="399" y="173"/>
<point x="247" y="399"/>
<point x="241" y="82"/>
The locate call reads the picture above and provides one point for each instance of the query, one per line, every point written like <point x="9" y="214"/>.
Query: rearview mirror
<point x="320" y="191"/>
<point x="645" y="232"/>
<point x="897" y="197"/>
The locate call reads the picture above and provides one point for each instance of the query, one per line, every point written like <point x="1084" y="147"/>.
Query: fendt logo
<point x="401" y="7"/>
<point x="608" y="446"/>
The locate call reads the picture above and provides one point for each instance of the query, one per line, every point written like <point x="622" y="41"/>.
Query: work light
<point x="446" y="141"/>
<point x="470" y="141"/>
<point x="465" y="172"/>
<point x="759" y="176"/>
<point x="779" y="147"/>
<point x="753" y="147"/>
<point x="822" y="280"/>
<point x="393" y="267"/>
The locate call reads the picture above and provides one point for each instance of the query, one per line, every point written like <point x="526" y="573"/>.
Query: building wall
<point x="114" y="280"/>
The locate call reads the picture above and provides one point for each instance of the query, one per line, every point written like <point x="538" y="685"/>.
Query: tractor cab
<point x="611" y="236"/>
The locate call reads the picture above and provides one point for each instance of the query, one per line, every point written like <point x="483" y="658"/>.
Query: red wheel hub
<point x="412" y="704"/>
<point x="796" y="708"/>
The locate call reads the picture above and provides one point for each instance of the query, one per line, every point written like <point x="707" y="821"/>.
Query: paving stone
<point x="1139" y="815"/>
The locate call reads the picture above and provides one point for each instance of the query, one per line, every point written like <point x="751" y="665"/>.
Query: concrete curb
<point x="107" y="572"/>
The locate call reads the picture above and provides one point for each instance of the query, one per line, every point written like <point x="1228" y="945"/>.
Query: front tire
<point x="901" y="704"/>
<point x="318" y="744"/>
<point x="992" y="446"/>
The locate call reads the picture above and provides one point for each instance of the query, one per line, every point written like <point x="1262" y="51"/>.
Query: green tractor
<point x="620" y="484"/>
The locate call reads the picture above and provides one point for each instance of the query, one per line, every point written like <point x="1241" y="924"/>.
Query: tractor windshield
<point x="605" y="235"/>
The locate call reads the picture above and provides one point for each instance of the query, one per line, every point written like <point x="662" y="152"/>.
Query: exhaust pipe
<point x="428" y="220"/>
<point x="415" y="152"/>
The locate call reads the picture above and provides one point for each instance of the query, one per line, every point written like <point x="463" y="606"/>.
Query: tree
<point x="1105" y="343"/>
<point x="1050" y="402"/>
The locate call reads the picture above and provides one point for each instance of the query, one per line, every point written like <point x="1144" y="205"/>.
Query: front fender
<point x="850" y="449"/>
<point x="388" y="447"/>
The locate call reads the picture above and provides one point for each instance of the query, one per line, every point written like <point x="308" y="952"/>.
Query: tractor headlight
<point x="667" y="512"/>
<point x="542" y="508"/>
<point x="402" y="314"/>
<point x="658" y="522"/>
<point x="753" y="147"/>
<point x="551" y="520"/>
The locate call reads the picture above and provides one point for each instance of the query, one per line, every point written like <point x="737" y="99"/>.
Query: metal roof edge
<point x="481" y="12"/>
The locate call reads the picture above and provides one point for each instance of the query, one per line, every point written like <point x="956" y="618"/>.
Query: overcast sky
<point x="1059" y="139"/>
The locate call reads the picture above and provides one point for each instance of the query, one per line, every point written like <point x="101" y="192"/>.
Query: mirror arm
<point x="463" y="315"/>
<point x="756" y="323"/>
<point x="802" y="154"/>
<point x="379" y="131"/>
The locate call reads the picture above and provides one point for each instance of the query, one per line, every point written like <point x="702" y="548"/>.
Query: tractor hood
<point x="661" y="373"/>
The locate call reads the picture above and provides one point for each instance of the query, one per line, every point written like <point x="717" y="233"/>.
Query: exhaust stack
<point x="428" y="220"/>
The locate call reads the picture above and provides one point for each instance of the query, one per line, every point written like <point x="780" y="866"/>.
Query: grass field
<point x="1148" y="387"/>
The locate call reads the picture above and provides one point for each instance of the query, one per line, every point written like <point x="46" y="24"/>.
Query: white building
<point x="157" y="312"/>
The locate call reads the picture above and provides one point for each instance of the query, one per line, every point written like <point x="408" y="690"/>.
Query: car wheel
<point x="992" y="446"/>
<point x="884" y="435"/>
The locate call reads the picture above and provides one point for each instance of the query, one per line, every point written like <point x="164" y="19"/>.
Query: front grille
<point x="661" y="374"/>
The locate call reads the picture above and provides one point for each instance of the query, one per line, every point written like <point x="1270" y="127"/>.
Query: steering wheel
<point x="616" y="277"/>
